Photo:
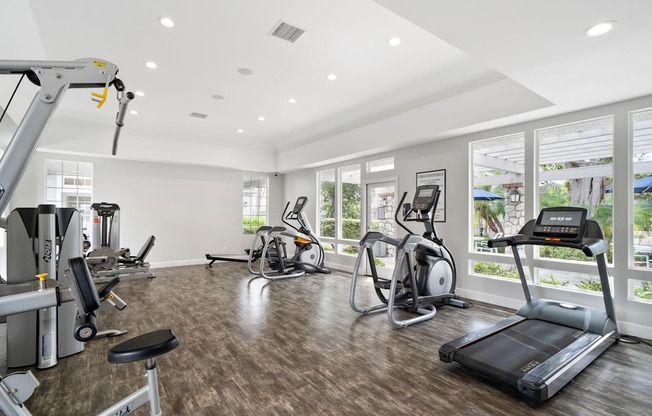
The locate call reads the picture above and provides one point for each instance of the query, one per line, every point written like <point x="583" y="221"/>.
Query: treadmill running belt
<point x="516" y="350"/>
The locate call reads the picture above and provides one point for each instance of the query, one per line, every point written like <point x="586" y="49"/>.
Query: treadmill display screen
<point x="565" y="224"/>
<point x="426" y="193"/>
<point x="561" y="218"/>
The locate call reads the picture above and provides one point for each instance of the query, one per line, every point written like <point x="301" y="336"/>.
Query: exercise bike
<point x="273" y="254"/>
<point x="424" y="275"/>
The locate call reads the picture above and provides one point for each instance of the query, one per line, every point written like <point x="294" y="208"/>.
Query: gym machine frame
<point x="54" y="78"/>
<point x="16" y="388"/>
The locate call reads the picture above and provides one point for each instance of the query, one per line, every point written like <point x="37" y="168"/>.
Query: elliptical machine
<point x="309" y="253"/>
<point x="424" y="275"/>
<point x="274" y="262"/>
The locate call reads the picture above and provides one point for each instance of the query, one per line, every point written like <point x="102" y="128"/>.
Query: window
<point x="254" y="203"/>
<point x="642" y="182"/>
<point x="340" y="201"/>
<point x="498" y="189"/>
<point x="641" y="215"/>
<point x="70" y="185"/>
<point x="351" y="224"/>
<point x="326" y="179"/>
<point x="380" y="165"/>
<point x="575" y="169"/>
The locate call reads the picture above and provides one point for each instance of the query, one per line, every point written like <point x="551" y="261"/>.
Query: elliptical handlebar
<point x="287" y="215"/>
<point x="405" y="217"/>
<point x="429" y="220"/>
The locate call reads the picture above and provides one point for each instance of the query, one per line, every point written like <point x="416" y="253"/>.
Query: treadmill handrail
<point x="589" y="246"/>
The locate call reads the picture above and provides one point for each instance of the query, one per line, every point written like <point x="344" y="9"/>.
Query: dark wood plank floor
<point x="251" y="347"/>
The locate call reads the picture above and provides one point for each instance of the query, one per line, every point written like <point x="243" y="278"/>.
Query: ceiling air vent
<point x="198" y="115"/>
<point x="286" y="31"/>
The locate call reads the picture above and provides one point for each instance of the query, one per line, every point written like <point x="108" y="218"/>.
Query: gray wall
<point x="192" y="210"/>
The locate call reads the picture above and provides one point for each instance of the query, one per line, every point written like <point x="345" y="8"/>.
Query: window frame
<point x="247" y="192"/>
<point x="77" y="181"/>
<point x="338" y="240"/>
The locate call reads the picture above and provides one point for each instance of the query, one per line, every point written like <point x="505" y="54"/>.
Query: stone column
<point x="514" y="212"/>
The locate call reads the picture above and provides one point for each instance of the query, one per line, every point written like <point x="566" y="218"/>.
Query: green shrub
<point x="563" y="253"/>
<point x="251" y="224"/>
<point x="590" y="284"/>
<point x="329" y="247"/>
<point x="493" y="269"/>
<point x="643" y="292"/>
<point x="553" y="281"/>
<point x="350" y="228"/>
<point x="379" y="262"/>
<point x="353" y="250"/>
<point x="327" y="227"/>
<point x="375" y="225"/>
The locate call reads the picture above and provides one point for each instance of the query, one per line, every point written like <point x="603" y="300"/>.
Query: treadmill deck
<point x="516" y="350"/>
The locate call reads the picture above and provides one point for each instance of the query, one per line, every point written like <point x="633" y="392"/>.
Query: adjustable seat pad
<point x="144" y="346"/>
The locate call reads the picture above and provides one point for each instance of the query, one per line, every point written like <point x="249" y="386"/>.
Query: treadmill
<point x="547" y="343"/>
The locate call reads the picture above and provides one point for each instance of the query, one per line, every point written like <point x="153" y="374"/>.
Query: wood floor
<point x="253" y="347"/>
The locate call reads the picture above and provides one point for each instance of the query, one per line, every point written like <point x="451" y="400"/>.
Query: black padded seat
<point x="142" y="254"/>
<point x="144" y="346"/>
<point x="104" y="291"/>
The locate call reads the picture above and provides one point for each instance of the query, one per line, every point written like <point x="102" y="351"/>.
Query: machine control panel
<point x="299" y="205"/>
<point x="425" y="197"/>
<point x="562" y="224"/>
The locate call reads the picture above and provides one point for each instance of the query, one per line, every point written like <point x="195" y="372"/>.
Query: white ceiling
<point x="462" y="67"/>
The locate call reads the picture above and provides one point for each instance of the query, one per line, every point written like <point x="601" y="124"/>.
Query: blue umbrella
<point x="641" y="185"/>
<point x="482" y="195"/>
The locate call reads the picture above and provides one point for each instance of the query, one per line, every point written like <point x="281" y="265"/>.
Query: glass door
<point x="381" y="203"/>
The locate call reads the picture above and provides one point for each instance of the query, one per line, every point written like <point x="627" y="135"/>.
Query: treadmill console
<point x="299" y="205"/>
<point x="560" y="224"/>
<point x="425" y="198"/>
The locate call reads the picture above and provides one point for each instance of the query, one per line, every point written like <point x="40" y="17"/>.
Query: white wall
<point x="192" y="210"/>
<point x="453" y="155"/>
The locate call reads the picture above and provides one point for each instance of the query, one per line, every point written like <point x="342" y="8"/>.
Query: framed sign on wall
<point x="436" y="177"/>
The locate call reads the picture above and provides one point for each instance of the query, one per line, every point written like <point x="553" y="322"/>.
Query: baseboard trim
<point x="162" y="264"/>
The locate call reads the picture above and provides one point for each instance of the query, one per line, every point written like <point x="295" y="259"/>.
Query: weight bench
<point x="142" y="254"/>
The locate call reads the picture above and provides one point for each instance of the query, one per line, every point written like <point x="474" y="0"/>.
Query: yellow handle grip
<point x="42" y="276"/>
<point x="100" y="99"/>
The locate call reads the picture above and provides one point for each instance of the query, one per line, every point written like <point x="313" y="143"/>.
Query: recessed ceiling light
<point x="245" y="71"/>
<point x="261" y="118"/>
<point x="292" y="100"/>
<point x="217" y="97"/>
<point x="600" y="28"/>
<point x="140" y="93"/>
<point x="134" y="112"/>
<point x="331" y="77"/>
<point x="394" y="41"/>
<point x="166" y="21"/>
<point x="151" y="65"/>
<point x="240" y="131"/>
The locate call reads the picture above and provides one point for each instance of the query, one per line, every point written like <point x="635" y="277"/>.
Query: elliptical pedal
<point x="386" y="283"/>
